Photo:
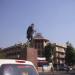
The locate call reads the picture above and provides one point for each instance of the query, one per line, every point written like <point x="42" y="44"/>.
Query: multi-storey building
<point x="59" y="54"/>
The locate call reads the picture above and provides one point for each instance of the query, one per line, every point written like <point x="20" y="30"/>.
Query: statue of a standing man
<point x="30" y="32"/>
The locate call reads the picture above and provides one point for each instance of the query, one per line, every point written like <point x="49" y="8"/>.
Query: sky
<point x="54" y="19"/>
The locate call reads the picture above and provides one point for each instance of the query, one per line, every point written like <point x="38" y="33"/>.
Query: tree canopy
<point x="70" y="54"/>
<point x="48" y="52"/>
<point x="2" y="55"/>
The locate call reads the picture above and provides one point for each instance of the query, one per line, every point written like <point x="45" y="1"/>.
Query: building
<point x="20" y="51"/>
<point x="39" y="43"/>
<point x="17" y="51"/>
<point x="59" y="54"/>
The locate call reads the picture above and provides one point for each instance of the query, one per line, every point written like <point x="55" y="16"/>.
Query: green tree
<point x="70" y="54"/>
<point x="48" y="52"/>
<point x="2" y="55"/>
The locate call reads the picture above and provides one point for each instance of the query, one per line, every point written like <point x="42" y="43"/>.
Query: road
<point x="58" y="73"/>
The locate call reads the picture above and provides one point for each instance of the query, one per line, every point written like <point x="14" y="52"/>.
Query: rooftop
<point x="39" y="36"/>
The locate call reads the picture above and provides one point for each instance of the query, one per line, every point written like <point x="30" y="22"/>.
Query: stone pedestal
<point x="32" y="55"/>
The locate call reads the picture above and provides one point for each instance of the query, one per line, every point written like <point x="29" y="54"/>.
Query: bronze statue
<point x="30" y="32"/>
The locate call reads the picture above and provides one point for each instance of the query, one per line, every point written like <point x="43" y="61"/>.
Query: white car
<point x="17" y="67"/>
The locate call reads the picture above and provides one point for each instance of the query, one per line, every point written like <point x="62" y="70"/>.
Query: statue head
<point x="32" y="25"/>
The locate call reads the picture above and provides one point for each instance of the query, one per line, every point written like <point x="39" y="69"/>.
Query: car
<point x="64" y="67"/>
<point x="17" y="67"/>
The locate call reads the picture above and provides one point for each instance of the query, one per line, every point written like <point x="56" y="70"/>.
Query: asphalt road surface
<point x="58" y="73"/>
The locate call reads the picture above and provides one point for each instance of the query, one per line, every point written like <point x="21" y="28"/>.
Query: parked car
<point x="17" y="67"/>
<point x="64" y="67"/>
